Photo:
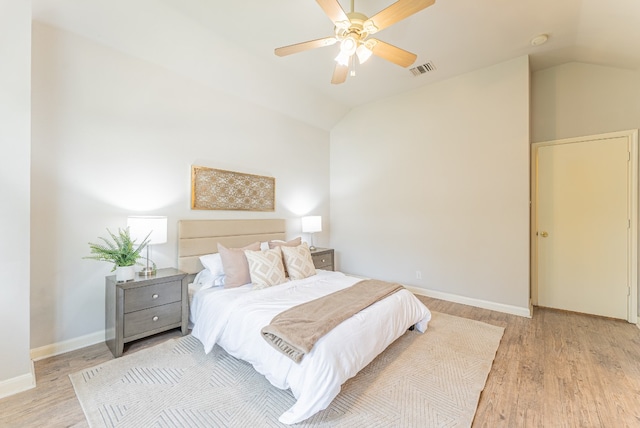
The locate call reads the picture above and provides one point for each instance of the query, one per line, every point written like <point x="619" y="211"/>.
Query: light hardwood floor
<point x="556" y="370"/>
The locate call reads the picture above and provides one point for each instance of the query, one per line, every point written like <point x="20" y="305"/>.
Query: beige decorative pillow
<point x="236" y="267"/>
<point x="265" y="268"/>
<point x="298" y="261"/>
<point x="292" y="243"/>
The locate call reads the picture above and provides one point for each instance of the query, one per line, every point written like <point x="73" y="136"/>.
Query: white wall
<point x="576" y="99"/>
<point x="15" y="41"/>
<point x="437" y="181"/>
<point x="115" y="135"/>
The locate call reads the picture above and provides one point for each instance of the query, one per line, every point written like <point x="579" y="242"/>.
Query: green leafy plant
<point x="119" y="250"/>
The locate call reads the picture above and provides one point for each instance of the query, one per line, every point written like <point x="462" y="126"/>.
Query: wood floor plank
<point x="558" y="369"/>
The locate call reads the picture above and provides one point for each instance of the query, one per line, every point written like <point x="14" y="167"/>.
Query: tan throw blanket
<point x="295" y="331"/>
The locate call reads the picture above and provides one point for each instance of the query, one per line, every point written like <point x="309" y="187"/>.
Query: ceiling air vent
<point x="423" y="69"/>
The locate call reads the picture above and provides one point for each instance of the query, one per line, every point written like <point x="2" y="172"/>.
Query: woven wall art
<point x="216" y="189"/>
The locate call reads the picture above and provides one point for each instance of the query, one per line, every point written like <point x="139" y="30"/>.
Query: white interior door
<point x="583" y="226"/>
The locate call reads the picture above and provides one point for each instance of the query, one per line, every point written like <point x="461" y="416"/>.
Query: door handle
<point x="544" y="234"/>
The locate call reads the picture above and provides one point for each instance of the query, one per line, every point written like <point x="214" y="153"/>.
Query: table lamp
<point x="312" y="224"/>
<point x="140" y="227"/>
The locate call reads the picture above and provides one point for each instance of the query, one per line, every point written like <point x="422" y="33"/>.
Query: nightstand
<point x="323" y="258"/>
<point x="145" y="306"/>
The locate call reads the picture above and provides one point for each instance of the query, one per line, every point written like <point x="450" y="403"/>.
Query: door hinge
<point x="629" y="159"/>
<point x="628" y="223"/>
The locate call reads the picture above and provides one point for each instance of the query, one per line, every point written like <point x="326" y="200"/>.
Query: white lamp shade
<point x="311" y="224"/>
<point x="139" y="228"/>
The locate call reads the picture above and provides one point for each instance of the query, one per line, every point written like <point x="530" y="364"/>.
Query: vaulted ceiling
<point x="229" y="45"/>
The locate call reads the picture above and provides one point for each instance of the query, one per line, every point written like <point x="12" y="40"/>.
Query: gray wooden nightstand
<point x="145" y="306"/>
<point x="323" y="258"/>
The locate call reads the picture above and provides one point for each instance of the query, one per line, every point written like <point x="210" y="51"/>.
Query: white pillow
<point x="298" y="261"/>
<point x="213" y="262"/>
<point x="205" y="279"/>
<point x="265" y="268"/>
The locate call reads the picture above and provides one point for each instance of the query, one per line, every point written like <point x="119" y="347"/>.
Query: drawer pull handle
<point x="323" y="260"/>
<point x="155" y="296"/>
<point x="155" y="318"/>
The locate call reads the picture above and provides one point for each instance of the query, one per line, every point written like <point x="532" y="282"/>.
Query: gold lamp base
<point x="147" y="272"/>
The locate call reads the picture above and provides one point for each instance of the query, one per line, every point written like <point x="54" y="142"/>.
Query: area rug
<point x="421" y="380"/>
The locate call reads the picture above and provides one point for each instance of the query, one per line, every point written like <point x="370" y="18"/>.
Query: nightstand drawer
<point x="149" y="296"/>
<point x="323" y="261"/>
<point x="152" y="318"/>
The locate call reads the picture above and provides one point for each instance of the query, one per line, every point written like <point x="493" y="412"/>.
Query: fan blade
<point x="305" y="46"/>
<point x="391" y="53"/>
<point x="333" y="10"/>
<point x="340" y="74"/>
<point x="396" y="12"/>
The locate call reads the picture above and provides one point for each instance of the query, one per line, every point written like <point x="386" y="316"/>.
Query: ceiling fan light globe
<point x="348" y="45"/>
<point x="363" y="53"/>
<point x="343" y="59"/>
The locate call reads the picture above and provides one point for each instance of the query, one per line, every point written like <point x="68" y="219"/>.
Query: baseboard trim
<point x="484" y="304"/>
<point x="67" y="346"/>
<point x="18" y="384"/>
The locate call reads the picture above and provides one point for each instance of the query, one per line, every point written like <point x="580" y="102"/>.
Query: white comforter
<point x="233" y="319"/>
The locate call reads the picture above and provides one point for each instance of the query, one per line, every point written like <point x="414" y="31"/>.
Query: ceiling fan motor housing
<point x="359" y="26"/>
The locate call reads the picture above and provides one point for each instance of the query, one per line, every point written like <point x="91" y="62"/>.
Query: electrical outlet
<point x="418" y="274"/>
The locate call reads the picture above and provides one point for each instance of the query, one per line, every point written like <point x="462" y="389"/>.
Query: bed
<point x="234" y="317"/>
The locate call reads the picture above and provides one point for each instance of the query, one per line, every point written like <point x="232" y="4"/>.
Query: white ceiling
<point x="229" y="44"/>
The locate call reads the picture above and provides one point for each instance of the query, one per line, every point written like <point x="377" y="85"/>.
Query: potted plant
<point x="121" y="251"/>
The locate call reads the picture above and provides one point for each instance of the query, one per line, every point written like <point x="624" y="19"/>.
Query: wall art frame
<point x="218" y="189"/>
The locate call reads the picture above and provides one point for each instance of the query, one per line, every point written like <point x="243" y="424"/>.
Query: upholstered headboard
<point x="199" y="237"/>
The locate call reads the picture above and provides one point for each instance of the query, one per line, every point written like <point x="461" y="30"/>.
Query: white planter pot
<point x="125" y="273"/>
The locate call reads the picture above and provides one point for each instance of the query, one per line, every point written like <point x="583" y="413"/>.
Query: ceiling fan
<point x="352" y="31"/>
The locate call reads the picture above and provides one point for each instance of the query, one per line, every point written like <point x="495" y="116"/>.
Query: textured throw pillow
<point x="292" y="243"/>
<point x="265" y="268"/>
<point x="236" y="267"/>
<point x="298" y="261"/>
